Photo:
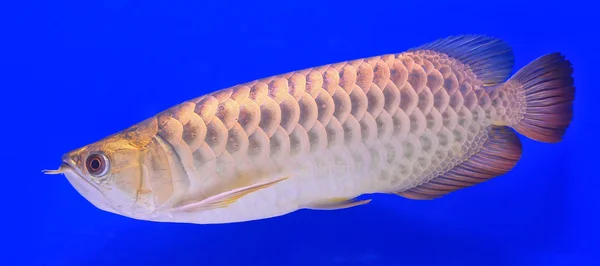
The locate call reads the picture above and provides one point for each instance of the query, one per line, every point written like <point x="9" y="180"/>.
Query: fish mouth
<point x="67" y="165"/>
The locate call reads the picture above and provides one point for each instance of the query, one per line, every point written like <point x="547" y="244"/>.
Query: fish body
<point x="420" y="124"/>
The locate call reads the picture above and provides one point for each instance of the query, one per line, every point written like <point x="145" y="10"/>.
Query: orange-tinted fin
<point x="336" y="204"/>
<point x="491" y="59"/>
<point x="549" y="94"/>
<point x="223" y="200"/>
<point x="498" y="155"/>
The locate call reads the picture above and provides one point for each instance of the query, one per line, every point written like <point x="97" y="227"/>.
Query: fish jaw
<point x="89" y="191"/>
<point x="121" y="190"/>
<point x="86" y="188"/>
<point x="95" y="194"/>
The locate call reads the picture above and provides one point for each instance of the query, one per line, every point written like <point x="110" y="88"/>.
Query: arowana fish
<point x="419" y="124"/>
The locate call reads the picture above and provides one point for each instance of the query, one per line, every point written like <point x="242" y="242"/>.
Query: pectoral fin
<point x="336" y="204"/>
<point x="223" y="200"/>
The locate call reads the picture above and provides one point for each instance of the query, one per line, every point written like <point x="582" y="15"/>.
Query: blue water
<point x="73" y="72"/>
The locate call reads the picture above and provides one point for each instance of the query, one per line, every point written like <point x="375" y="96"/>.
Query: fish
<point x="419" y="124"/>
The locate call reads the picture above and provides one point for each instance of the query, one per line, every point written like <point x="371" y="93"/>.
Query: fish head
<point x="109" y="173"/>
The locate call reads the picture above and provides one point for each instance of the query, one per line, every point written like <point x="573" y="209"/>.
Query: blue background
<point x="76" y="71"/>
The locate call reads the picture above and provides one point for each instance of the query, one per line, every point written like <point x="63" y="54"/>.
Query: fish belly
<point x="377" y="125"/>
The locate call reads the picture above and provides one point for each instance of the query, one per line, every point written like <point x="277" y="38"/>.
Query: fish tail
<point x="546" y="89"/>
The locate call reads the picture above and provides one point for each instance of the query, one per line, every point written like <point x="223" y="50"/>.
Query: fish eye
<point x="97" y="164"/>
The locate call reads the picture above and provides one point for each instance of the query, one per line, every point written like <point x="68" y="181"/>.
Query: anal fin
<point x="498" y="155"/>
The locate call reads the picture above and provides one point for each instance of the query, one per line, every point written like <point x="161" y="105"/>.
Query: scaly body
<point x="420" y="124"/>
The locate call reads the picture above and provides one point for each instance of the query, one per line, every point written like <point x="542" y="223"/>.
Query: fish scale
<point x="318" y="103"/>
<point x="420" y="124"/>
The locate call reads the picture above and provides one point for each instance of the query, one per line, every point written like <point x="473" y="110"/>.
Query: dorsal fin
<point x="491" y="59"/>
<point x="498" y="155"/>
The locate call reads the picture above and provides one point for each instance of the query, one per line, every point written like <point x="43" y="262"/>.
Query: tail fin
<point x="549" y="93"/>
